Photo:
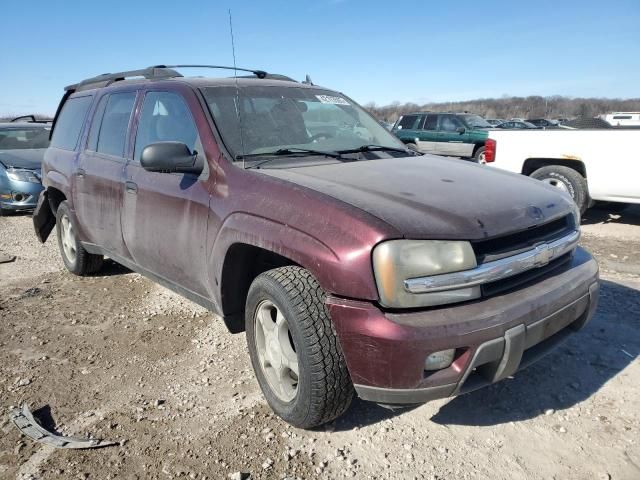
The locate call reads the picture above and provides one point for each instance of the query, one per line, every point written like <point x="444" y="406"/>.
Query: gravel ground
<point x="118" y="357"/>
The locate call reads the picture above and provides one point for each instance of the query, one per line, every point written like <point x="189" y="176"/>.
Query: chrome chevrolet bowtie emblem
<point x="543" y="255"/>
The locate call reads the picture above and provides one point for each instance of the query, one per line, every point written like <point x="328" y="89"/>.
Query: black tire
<point x="84" y="262"/>
<point x="324" y="388"/>
<point x="414" y="147"/>
<point x="570" y="179"/>
<point x="479" y="155"/>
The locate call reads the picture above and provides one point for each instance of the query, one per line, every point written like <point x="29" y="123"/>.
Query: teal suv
<point x="456" y="134"/>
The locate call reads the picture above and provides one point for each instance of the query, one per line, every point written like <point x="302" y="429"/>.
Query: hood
<point x="430" y="197"/>
<point x="27" y="158"/>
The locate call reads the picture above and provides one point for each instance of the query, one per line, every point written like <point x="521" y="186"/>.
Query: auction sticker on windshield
<point x="332" y="99"/>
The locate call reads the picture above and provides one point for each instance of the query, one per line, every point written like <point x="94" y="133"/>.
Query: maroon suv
<point x="353" y="264"/>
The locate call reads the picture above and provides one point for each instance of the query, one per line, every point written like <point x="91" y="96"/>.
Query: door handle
<point x="80" y="172"/>
<point x="131" y="187"/>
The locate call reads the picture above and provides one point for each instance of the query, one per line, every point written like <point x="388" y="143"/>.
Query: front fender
<point x="345" y="274"/>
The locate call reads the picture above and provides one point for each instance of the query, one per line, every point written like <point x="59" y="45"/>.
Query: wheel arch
<point x="242" y="263"/>
<point x="532" y="164"/>
<point x="247" y="246"/>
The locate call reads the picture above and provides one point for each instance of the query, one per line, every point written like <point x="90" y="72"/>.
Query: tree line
<point x="514" y="107"/>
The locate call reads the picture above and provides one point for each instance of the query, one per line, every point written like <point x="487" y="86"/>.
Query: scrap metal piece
<point x="29" y="426"/>
<point x="7" y="258"/>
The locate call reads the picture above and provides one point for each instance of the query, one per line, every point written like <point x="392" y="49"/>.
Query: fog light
<point x="439" y="360"/>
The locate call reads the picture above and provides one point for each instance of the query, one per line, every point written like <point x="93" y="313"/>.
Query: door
<point x="453" y="137"/>
<point x="99" y="178"/>
<point x="408" y="129"/>
<point x="428" y="135"/>
<point x="164" y="217"/>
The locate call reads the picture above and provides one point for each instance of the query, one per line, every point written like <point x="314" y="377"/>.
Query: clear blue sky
<point x="372" y="50"/>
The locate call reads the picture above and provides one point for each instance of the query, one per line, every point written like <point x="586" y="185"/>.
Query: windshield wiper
<point x="286" y="151"/>
<point x="375" y="148"/>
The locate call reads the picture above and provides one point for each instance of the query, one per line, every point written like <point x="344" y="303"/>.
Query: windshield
<point x="24" y="138"/>
<point x="476" y="121"/>
<point x="277" y="118"/>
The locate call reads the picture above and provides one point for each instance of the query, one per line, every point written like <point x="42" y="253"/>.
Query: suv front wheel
<point x="294" y="348"/>
<point x="75" y="257"/>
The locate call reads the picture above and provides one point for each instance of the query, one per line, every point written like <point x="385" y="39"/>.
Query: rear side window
<point x="431" y="122"/>
<point x="115" y="122"/>
<point x="69" y="123"/>
<point x="92" y="143"/>
<point x="408" y="122"/>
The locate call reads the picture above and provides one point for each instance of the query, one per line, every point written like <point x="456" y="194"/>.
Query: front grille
<point x="521" y="280"/>
<point x="514" y="243"/>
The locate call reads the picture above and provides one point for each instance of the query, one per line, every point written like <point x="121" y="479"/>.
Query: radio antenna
<point x="235" y="74"/>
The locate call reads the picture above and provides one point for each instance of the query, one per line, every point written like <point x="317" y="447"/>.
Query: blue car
<point x="22" y="147"/>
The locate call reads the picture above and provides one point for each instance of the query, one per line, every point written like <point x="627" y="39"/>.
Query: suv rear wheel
<point x="294" y="349"/>
<point x="568" y="180"/>
<point x="75" y="257"/>
<point x="479" y="155"/>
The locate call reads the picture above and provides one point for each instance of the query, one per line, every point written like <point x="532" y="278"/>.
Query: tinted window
<point x="408" y="122"/>
<point x="113" y="129"/>
<point x="166" y="118"/>
<point x="24" y="138"/>
<point x="622" y="117"/>
<point x="69" y="123"/>
<point x="431" y="122"/>
<point x="449" y="123"/>
<point x="92" y="143"/>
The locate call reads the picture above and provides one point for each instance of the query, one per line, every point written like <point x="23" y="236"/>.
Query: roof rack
<point x="28" y="119"/>
<point x="108" y="78"/>
<point x="157" y="72"/>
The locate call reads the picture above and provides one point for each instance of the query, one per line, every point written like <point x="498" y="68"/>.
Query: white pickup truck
<point x="590" y="165"/>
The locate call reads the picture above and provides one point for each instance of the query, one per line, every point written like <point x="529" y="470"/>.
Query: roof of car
<point x="16" y="125"/>
<point x="168" y="73"/>
<point x="439" y="113"/>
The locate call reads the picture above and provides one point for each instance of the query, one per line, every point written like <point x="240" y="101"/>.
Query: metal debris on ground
<point x="29" y="426"/>
<point x="6" y="258"/>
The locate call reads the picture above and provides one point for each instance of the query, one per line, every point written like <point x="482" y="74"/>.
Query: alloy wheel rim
<point x="559" y="184"/>
<point x="67" y="236"/>
<point x="276" y="351"/>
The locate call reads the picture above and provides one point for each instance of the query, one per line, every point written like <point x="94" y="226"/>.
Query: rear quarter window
<point x="69" y="123"/>
<point x="408" y="122"/>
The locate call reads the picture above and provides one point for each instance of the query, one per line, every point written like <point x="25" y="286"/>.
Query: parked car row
<point x="355" y="265"/>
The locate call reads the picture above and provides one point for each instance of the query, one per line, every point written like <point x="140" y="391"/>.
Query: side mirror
<point x="170" y="157"/>
<point x="461" y="130"/>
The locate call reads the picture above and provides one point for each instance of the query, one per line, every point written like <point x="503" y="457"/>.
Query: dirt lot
<point x="120" y="358"/>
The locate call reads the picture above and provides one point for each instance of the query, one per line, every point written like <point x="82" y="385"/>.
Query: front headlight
<point x="398" y="260"/>
<point x="22" y="175"/>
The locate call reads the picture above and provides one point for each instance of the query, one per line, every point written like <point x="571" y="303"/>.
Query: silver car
<point x="22" y="146"/>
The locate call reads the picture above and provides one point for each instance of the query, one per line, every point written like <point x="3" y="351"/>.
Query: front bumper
<point x="16" y="195"/>
<point x="493" y="337"/>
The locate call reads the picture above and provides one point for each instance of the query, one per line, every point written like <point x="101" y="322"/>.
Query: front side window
<point x="166" y="117"/>
<point x="112" y="136"/>
<point x="271" y="118"/>
<point x="24" y="138"/>
<point x="69" y="123"/>
<point x="449" y="123"/>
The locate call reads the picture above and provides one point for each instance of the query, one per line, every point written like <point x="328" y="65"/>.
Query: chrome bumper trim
<point x="539" y="256"/>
